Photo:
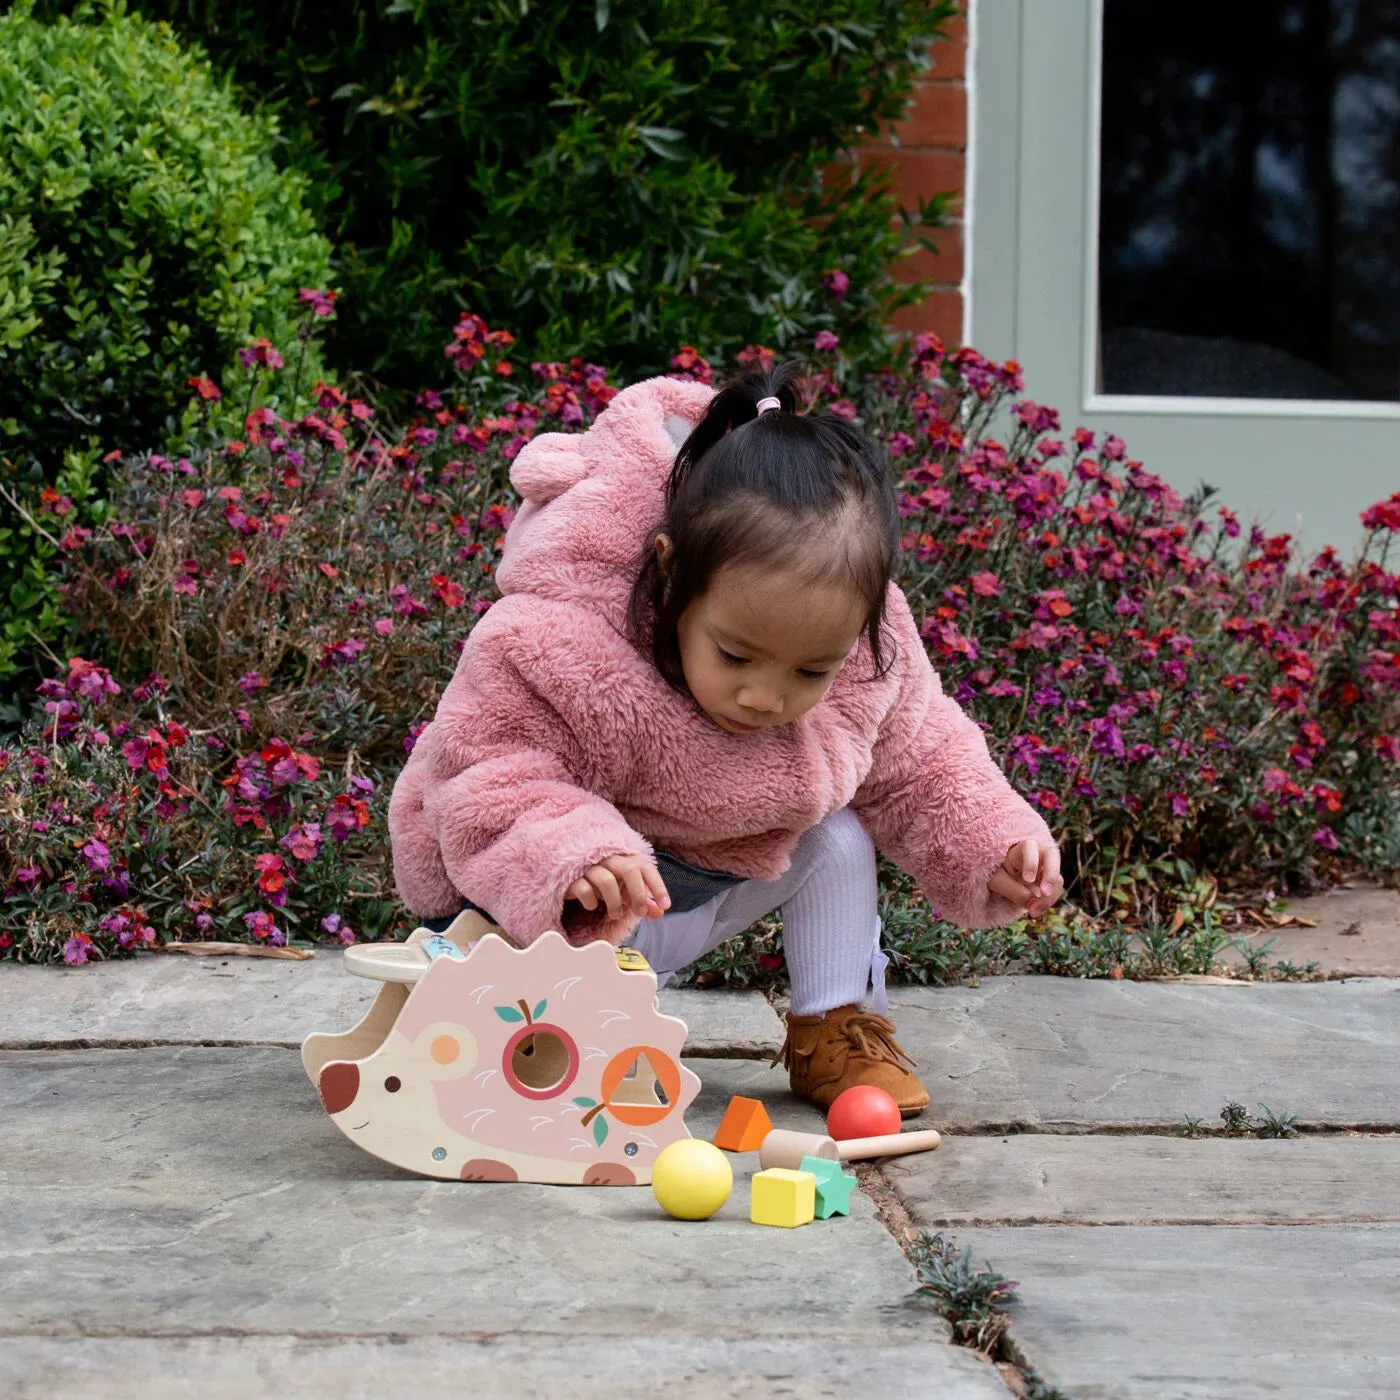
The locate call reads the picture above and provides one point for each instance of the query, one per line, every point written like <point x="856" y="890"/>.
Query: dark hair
<point x="746" y="488"/>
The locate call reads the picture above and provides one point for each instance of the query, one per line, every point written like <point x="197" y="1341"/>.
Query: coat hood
<point x="589" y="500"/>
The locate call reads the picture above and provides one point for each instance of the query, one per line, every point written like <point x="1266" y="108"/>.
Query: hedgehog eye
<point x="393" y="1084"/>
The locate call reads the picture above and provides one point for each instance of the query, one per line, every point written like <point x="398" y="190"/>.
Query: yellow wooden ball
<point x="692" y="1179"/>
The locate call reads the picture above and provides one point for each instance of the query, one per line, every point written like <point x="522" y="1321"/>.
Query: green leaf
<point x="509" y="1013"/>
<point x="600" y="1130"/>
<point x="539" y="1009"/>
<point x="587" y="1103"/>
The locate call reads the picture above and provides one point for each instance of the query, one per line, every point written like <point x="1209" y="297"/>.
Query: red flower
<point x="205" y="388"/>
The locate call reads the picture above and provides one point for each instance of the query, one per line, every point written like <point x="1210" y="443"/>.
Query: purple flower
<point x="414" y="730"/>
<point x="1107" y="738"/>
<point x="250" y="682"/>
<point x="98" y="856"/>
<point x="331" y="923"/>
<point x="836" y="282"/>
<point x="825" y="340"/>
<point x="28" y="874"/>
<point x="1326" y="838"/>
<point x="75" y="951"/>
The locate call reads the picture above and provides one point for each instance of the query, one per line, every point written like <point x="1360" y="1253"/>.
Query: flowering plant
<point x="1156" y="679"/>
<point x="1184" y="699"/>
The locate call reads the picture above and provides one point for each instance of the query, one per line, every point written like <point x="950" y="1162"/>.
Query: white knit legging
<point x="831" y="932"/>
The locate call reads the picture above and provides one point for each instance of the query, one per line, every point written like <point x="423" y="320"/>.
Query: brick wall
<point x="932" y="156"/>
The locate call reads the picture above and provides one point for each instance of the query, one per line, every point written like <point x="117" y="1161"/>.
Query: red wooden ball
<point x="862" y="1111"/>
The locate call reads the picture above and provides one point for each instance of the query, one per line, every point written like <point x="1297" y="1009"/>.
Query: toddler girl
<point x="700" y="699"/>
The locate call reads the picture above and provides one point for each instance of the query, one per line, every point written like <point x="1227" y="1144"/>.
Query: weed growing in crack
<point x="1191" y="1127"/>
<point x="1256" y="956"/>
<point x="974" y="1301"/>
<point x="1236" y="1118"/>
<point x="1275" y="1125"/>
<point x="1285" y="971"/>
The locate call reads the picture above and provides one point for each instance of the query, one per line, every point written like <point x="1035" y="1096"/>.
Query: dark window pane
<point x="1249" y="226"/>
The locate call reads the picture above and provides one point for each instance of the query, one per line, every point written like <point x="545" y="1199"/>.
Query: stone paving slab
<point x="1060" y="1055"/>
<point x="503" y="1368"/>
<point x="193" y="1191"/>
<point x="1038" y="1178"/>
<point x="1205" y="1312"/>
<point x="1357" y="933"/>
<point x="254" y="1001"/>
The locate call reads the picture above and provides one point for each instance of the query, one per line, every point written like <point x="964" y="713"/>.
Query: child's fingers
<point x="1049" y="872"/>
<point x="656" y="884"/>
<point x="636" y="887"/>
<point x="605" y="882"/>
<point x="1027" y="856"/>
<point x="583" y="893"/>
<point x="1004" y="883"/>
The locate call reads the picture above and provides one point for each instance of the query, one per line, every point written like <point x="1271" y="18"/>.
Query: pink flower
<point x="321" y="303"/>
<point x="97" y="855"/>
<point x="304" y="842"/>
<point x="260" y="352"/>
<point x="1326" y="838"/>
<point x="250" y="682"/>
<point x="836" y="282"/>
<point x="342" y="653"/>
<point x="985" y="585"/>
<point x="384" y="626"/>
<point x="346" y="815"/>
<point x="825" y="341"/>
<point x="261" y="926"/>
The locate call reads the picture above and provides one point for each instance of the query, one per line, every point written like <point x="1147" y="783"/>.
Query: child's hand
<point x="1029" y="877"/>
<point x="630" y="883"/>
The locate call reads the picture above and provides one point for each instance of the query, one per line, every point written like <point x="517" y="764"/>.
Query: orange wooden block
<point x="744" y="1126"/>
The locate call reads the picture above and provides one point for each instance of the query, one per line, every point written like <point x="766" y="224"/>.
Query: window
<point x="1186" y="225"/>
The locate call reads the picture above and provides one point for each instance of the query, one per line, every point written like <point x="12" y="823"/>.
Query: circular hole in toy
<point x="393" y="1084"/>
<point x="541" y="1061"/>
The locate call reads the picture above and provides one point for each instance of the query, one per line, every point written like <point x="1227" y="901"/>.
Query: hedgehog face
<point x="384" y="1102"/>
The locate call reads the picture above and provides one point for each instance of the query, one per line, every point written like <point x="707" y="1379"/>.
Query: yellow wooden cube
<point x="783" y="1197"/>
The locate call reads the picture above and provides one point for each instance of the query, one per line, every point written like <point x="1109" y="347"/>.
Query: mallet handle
<point x="890" y="1145"/>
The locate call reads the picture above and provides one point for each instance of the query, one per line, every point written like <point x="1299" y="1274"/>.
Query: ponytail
<point x="749" y="487"/>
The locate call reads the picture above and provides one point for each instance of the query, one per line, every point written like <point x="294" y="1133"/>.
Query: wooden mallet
<point x="784" y="1148"/>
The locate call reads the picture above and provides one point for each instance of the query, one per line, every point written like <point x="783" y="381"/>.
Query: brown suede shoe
<point x="826" y="1054"/>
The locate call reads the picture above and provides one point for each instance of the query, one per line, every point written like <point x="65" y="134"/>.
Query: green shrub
<point x="609" y="180"/>
<point x="145" y="234"/>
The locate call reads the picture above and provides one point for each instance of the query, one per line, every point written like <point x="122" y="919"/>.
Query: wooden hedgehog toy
<point x="481" y="1061"/>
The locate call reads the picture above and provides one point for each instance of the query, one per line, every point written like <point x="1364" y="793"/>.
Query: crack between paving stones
<point x="896" y="1219"/>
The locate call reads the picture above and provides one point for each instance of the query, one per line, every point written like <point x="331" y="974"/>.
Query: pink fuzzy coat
<point x="557" y="743"/>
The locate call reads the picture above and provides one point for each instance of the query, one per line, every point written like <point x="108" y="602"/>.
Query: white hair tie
<point x="765" y="404"/>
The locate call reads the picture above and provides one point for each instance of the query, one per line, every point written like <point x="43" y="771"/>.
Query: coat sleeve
<point x="934" y="801"/>
<point x="492" y="803"/>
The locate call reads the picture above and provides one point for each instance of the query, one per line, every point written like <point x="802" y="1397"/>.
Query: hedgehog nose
<point x="339" y="1083"/>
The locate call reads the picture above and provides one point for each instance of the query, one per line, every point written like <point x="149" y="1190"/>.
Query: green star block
<point x="834" y="1187"/>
